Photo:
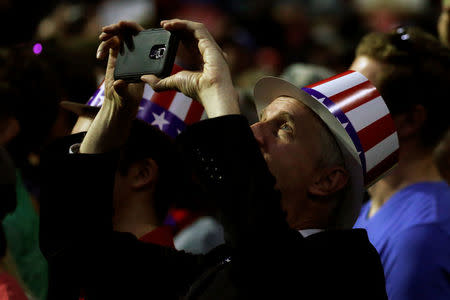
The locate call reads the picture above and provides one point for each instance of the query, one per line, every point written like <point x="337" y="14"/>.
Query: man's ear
<point x="143" y="173"/>
<point x="409" y="123"/>
<point x="329" y="181"/>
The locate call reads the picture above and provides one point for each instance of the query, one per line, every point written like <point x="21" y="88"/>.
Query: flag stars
<point x="318" y="99"/>
<point x="159" y="121"/>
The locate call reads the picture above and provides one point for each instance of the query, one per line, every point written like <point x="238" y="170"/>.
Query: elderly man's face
<point x="289" y="138"/>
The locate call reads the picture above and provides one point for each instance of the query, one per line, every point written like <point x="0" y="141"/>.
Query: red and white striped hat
<point x="170" y="111"/>
<point x="360" y="121"/>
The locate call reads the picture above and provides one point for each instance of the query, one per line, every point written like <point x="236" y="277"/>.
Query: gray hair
<point x="331" y="153"/>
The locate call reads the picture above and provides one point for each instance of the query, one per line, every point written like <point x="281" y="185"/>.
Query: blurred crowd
<point x="47" y="55"/>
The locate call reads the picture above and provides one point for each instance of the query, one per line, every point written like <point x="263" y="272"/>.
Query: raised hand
<point x="118" y="91"/>
<point x="111" y="126"/>
<point x="211" y="84"/>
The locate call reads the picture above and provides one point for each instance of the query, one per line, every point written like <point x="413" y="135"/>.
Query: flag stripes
<point x="381" y="168"/>
<point x="329" y="79"/>
<point x="376" y="132"/>
<point x="367" y="113"/>
<point x="355" y="96"/>
<point x="180" y="106"/>
<point x="179" y="110"/>
<point x="359" y="107"/>
<point x="331" y="88"/>
<point x="380" y="151"/>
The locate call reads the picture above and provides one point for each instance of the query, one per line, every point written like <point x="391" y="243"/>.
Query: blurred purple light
<point x="37" y="48"/>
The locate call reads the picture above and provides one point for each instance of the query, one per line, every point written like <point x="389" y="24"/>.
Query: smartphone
<point x="151" y="51"/>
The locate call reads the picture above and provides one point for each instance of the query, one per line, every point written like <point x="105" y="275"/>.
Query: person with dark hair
<point x="23" y="135"/>
<point x="287" y="190"/>
<point x="407" y="218"/>
<point x="148" y="168"/>
<point x="162" y="165"/>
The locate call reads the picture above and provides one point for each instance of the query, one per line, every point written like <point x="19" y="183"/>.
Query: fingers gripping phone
<point x="151" y="51"/>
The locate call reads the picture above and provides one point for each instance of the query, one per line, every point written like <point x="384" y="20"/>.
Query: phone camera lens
<point x="157" y="51"/>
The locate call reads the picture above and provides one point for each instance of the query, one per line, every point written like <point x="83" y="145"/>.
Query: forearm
<point x="110" y="128"/>
<point x="222" y="98"/>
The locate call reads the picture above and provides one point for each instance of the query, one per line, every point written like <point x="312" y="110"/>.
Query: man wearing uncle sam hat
<point x="288" y="189"/>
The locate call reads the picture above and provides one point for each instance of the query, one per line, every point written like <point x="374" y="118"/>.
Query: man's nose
<point x="258" y="132"/>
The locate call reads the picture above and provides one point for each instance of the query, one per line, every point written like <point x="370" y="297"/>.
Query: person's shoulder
<point x="347" y="257"/>
<point x="349" y="247"/>
<point x="421" y="242"/>
<point x="353" y="243"/>
<point x="425" y="203"/>
<point x="430" y="190"/>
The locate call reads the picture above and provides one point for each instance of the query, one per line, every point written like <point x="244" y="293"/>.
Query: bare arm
<point x="111" y="126"/>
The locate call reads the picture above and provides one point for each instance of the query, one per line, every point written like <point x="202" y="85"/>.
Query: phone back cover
<point x="134" y="59"/>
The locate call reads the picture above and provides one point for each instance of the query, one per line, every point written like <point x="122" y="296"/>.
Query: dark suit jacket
<point x="262" y="257"/>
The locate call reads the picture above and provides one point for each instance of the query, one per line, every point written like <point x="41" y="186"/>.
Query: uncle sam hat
<point x="360" y="122"/>
<point x="170" y="111"/>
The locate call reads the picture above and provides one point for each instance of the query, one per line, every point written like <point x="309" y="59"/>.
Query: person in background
<point x="408" y="216"/>
<point x="142" y="192"/>
<point x="10" y="288"/>
<point x="193" y="227"/>
<point x="24" y="132"/>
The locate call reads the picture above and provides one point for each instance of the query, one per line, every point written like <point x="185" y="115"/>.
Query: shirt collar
<point x="308" y="232"/>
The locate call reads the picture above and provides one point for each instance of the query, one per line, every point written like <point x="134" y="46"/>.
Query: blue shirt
<point x="411" y="232"/>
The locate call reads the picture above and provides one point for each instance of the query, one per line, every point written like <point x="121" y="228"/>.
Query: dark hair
<point x="30" y="89"/>
<point x="146" y="141"/>
<point x="416" y="71"/>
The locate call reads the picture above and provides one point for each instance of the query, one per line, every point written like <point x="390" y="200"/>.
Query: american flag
<point x="170" y="111"/>
<point x="361" y="110"/>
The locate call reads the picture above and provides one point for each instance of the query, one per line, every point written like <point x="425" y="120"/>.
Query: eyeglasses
<point x="401" y="31"/>
<point x="401" y="39"/>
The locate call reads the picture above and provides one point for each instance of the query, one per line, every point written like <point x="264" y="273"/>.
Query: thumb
<point x="184" y="81"/>
<point x="151" y="80"/>
<point x="160" y="85"/>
